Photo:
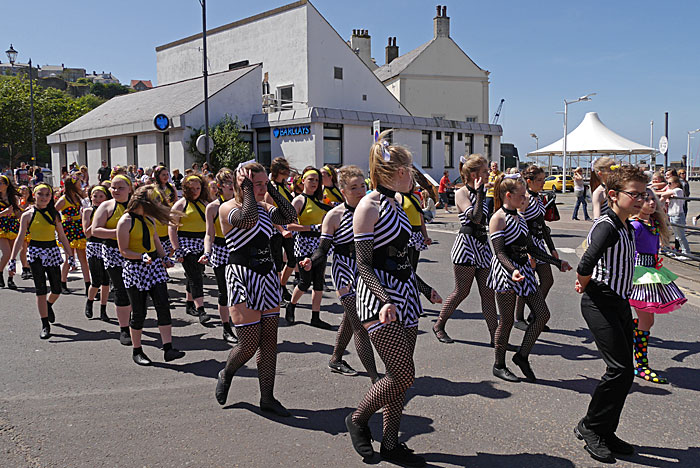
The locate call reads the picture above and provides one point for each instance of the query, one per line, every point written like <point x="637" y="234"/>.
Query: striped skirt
<point x="403" y="294"/>
<point x="543" y="247"/>
<point x="49" y="256"/>
<point x="468" y="251"/>
<point x="143" y="276"/>
<point x="501" y="281"/>
<point x="259" y="292"/>
<point x="344" y="272"/>
<point x="653" y="289"/>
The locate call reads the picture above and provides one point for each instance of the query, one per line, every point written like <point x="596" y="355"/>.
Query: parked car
<point x="554" y="182"/>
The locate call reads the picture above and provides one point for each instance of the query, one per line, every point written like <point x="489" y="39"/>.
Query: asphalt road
<point x="77" y="400"/>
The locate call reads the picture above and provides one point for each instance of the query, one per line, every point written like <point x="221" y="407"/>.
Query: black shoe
<point x="203" y="317"/>
<point x="2" y="281"/>
<point x="103" y="314"/>
<point x="275" y="407"/>
<point x="45" y="332"/>
<point x="11" y="283"/>
<point x="318" y="323"/>
<point x="617" y="445"/>
<point x="546" y="329"/>
<point x="575" y="219"/>
<point x="402" y="455"/>
<point x="286" y="295"/>
<point x="222" y="388"/>
<point x="341" y="367"/>
<point x="525" y="368"/>
<point x="191" y="310"/>
<point x="51" y="314"/>
<point x="125" y="338"/>
<point x="141" y="359"/>
<point x="442" y="336"/>
<point x="521" y="325"/>
<point x="505" y="374"/>
<point x="230" y="337"/>
<point x="289" y="313"/>
<point x="88" y="309"/>
<point x="64" y="288"/>
<point x="26" y="274"/>
<point x="595" y="445"/>
<point x="172" y="354"/>
<point x="361" y="438"/>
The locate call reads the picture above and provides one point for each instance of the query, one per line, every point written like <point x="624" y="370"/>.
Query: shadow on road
<point x="664" y="457"/>
<point x="683" y="377"/>
<point x="428" y="386"/>
<point x="304" y="348"/>
<point x="689" y="348"/>
<point x="520" y="460"/>
<point x="207" y="368"/>
<point x="80" y="335"/>
<point x="585" y="386"/>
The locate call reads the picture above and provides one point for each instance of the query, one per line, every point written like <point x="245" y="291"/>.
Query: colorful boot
<point x="642" y="370"/>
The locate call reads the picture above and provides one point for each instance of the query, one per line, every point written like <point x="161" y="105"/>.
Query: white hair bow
<point x="385" y="150"/>
<point x="462" y="159"/>
<point x="243" y="164"/>
<point x="512" y="176"/>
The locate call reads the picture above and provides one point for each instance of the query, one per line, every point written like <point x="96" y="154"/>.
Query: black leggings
<point x="464" y="277"/>
<point x="506" y="305"/>
<point x="121" y="298"/>
<point x="98" y="274"/>
<point x="395" y="345"/>
<point x="159" y="295"/>
<point x="350" y="326"/>
<point x="220" y="273"/>
<point x="315" y="276"/>
<point x="194" y="274"/>
<point x="278" y="244"/>
<point x="544" y="272"/>
<point x="413" y="257"/>
<point x="41" y="274"/>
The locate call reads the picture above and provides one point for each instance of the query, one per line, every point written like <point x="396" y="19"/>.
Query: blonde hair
<point x="381" y="171"/>
<point x="502" y="186"/>
<point x="661" y="218"/>
<point x="472" y="164"/>
<point x="254" y="168"/>
<point x="222" y="176"/>
<point x="346" y="173"/>
<point x="600" y="165"/>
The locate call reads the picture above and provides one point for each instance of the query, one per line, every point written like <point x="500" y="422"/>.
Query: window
<point x="448" y="149"/>
<point x="264" y="149"/>
<point x="109" y="152"/>
<point x="286" y="97"/>
<point x="438" y="135"/>
<point x="487" y="147"/>
<point x="427" y="149"/>
<point x="332" y="144"/>
<point x="135" y="161"/>
<point x="470" y="118"/>
<point x="338" y="73"/>
<point x="166" y="149"/>
<point x="85" y="152"/>
<point x="364" y="97"/>
<point x="468" y="143"/>
<point x="459" y="137"/>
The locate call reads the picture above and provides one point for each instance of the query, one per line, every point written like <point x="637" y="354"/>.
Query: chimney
<point x="361" y="44"/>
<point x="441" y="23"/>
<point x="392" y="50"/>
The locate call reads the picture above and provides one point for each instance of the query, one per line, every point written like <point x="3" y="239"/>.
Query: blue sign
<point x="292" y="131"/>
<point x="161" y="122"/>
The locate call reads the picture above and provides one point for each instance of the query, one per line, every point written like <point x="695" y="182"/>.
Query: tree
<point x="229" y="150"/>
<point x="109" y="90"/>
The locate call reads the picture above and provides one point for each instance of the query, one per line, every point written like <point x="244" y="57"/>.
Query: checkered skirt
<point x="93" y="249"/>
<point x="191" y="245"/>
<point x="111" y="256"/>
<point x="49" y="256"/>
<point x="219" y="255"/>
<point x="143" y="276"/>
<point x="417" y="241"/>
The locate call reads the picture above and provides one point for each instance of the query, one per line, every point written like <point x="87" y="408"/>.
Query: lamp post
<point x="12" y="57"/>
<point x="537" y="146"/>
<point x="587" y="97"/>
<point x="205" y="75"/>
<point x="689" y="158"/>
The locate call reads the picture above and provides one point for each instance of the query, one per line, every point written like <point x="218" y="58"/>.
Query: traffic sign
<point x="161" y="122"/>
<point x="663" y="145"/>
<point x="377" y="129"/>
<point x="202" y="141"/>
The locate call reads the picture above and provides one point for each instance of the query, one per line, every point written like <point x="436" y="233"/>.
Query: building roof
<point x="399" y="64"/>
<point x="134" y="112"/>
<point x="146" y="83"/>
<point x="52" y="68"/>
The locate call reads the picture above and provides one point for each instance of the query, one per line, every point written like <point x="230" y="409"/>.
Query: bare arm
<point x="100" y="219"/>
<point x="87" y="222"/>
<point x="172" y="229"/>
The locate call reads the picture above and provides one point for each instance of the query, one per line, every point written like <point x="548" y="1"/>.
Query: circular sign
<point x="663" y="145"/>
<point x="201" y="141"/>
<point x="161" y="122"/>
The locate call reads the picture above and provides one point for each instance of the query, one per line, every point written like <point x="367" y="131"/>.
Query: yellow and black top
<point x="282" y="189"/>
<point x="312" y="212"/>
<point x="141" y="234"/>
<point x="42" y="227"/>
<point x="411" y="206"/>
<point x="194" y="222"/>
<point x="333" y="195"/>
<point x="119" y="209"/>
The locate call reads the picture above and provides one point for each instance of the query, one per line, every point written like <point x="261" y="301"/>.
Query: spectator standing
<point x="686" y="189"/>
<point x="493" y="175"/>
<point x="676" y="213"/>
<point x="442" y="190"/>
<point x="146" y="178"/>
<point x="580" y="192"/>
<point x="104" y="172"/>
<point x="22" y="174"/>
<point x="177" y="179"/>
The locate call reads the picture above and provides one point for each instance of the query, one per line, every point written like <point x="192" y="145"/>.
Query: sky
<point x="640" y="57"/>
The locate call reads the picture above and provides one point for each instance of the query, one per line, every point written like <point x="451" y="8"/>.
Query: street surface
<point x="77" y="400"/>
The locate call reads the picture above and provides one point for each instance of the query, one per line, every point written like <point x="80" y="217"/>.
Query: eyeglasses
<point x="644" y="196"/>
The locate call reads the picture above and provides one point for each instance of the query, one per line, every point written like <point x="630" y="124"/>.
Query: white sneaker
<point x="681" y="258"/>
<point x="695" y="221"/>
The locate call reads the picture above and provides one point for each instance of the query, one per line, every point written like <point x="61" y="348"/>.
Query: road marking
<point x="567" y="250"/>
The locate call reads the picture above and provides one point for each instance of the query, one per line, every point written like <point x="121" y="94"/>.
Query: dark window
<point x="166" y="149"/>
<point x="448" y="149"/>
<point x="470" y="118"/>
<point x="332" y="144"/>
<point x="468" y="143"/>
<point x="364" y="97"/>
<point x="427" y="149"/>
<point x="338" y="73"/>
<point x="286" y="97"/>
<point x="109" y="152"/>
<point x="85" y="152"/>
<point x="459" y="137"/>
<point x="135" y="162"/>
<point x="487" y="147"/>
<point x="264" y="149"/>
<point x="438" y="135"/>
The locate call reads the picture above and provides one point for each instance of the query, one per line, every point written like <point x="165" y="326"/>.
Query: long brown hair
<point x="502" y="186"/>
<point x="150" y="200"/>
<point x="254" y="168"/>
<point x="162" y="187"/>
<point x="72" y="190"/>
<point x="472" y="164"/>
<point x="381" y="171"/>
<point x="12" y="194"/>
<point x="600" y="165"/>
<point x="187" y="191"/>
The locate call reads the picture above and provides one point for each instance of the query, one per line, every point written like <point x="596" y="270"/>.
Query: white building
<point x="314" y="100"/>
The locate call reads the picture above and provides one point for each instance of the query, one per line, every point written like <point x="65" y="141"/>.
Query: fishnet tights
<point x="544" y="272"/>
<point x="395" y="345"/>
<point x="506" y="305"/>
<point x="464" y="277"/>
<point x="350" y="326"/>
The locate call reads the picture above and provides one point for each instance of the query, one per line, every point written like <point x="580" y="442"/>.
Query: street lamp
<point x="688" y="159"/>
<point x="12" y="57"/>
<point x="537" y="146"/>
<point x="205" y="74"/>
<point x="587" y="97"/>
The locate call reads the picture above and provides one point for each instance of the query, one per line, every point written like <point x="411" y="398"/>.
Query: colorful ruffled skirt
<point x="654" y="290"/>
<point x="9" y="227"/>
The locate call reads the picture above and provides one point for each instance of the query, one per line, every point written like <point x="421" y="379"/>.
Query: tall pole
<point x="31" y="107"/>
<point x="206" y="85"/>
<point x="666" y="134"/>
<point x="651" y="145"/>
<point x="687" y="159"/>
<point x="566" y="130"/>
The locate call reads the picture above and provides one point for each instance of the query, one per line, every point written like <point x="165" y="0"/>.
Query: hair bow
<point x="615" y="167"/>
<point x="462" y="159"/>
<point x="243" y="164"/>
<point x="512" y="176"/>
<point x="385" y="150"/>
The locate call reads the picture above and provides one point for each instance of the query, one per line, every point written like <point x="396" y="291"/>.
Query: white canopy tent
<point x="590" y="139"/>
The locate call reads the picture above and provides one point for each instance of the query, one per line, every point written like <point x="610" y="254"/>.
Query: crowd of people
<point x="259" y="229"/>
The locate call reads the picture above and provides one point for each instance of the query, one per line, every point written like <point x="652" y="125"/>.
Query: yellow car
<point x="554" y="182"/>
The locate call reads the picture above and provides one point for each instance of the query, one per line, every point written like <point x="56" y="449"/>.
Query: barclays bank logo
<point x="292" y="131"/>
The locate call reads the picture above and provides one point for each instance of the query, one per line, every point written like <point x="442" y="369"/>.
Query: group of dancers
<point x="256" y="234"/>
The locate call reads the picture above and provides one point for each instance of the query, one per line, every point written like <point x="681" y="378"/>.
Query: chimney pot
<point x="441" y="23"/>
<point x="392" y="50"/>
<point x="439" y="9"/>
<point x="444" y="11"/>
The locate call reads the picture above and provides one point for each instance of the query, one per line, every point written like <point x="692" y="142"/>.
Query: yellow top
<point x="168" y="194"/>
<point x="492" y="178"/>
<point x="333" y="195"/>
<point x="71" y="211"/>
<point x="119" y="209"/>
<point x="194" y="220"/>
<point x="136" y="237"/>
<point x="411" y="210"/>
<point x="312" y="213"/>
<point x="161" y="229"/>
<point x="40" y="227"/>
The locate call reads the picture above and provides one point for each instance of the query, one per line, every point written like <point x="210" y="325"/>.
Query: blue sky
<point x="640" y="57"/>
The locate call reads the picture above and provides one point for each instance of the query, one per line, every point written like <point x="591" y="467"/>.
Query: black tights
<point x="395" y="345"/>
<point x="544" y="272"/>
<point x="464" y="277"/>
<point x="260" y="337"/>
<point x="506" y="305"/>
<point x="350" y="326"/>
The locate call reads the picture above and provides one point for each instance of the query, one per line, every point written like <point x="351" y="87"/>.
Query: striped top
<point x="515" y="228"/>
<point x="392" y="223"/>
<point x="609" y="258"/>
<point x="535" y="207"/>
<point x="464" y="216"/>
<point x="237" y="238"/>
<point x="343" y="235"/>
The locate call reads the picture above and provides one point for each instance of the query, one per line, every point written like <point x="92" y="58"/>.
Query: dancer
<point x="10" y="212"/>
<point x="104" y="226"/>
<point x="144" y="269"/>
<point x="169" y="197"/>
<point x="329" y="178"/>
<point x="253" y="284"/>
<point x="26" y="200"/>
<point x="419" y="235"/>
<point x="541" y="237"/>
<point x="337" y="234"/>
<point x="605" y="276"/>
<point x="215" y="251"/>
<point x="44" y="224"/>
<point x="310" y="211"/>
<point x="471" y="253"/>
<point x="93" y="249"/>
<point x="282" y="241"/>
<point x="387" y="299"/>
<point x="69" y="205"/>
<point x="188" y="241"/>
<point x="653" y="291"/>
<point x="599" y="176"/>
<point x="511" y="274"/>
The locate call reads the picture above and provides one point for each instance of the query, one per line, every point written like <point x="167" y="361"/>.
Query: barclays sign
<point x="292" y="131"/>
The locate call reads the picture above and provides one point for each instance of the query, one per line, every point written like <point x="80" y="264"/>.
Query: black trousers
<point x="194" y="275"/>
<point x="121" y="298"/>
<point x="40" y="273"/>
<point x="279" y="243"/>
<point x="316" y="277"/>
<point x="159" y="295"/>
<point x="609" y="318"/>
<point x="98" y="273"/>
<point x="220" y="273"/>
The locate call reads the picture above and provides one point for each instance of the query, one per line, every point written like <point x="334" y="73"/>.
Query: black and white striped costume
<point x="471" y="246"/>
<point x="344" y="267"/>
<point x="615" y="268"/>
<point x="534" y="217"/>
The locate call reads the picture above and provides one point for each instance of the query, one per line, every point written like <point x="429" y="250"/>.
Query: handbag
<point x="551" y="212"/>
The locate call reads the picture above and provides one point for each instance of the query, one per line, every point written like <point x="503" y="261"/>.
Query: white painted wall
<point x="72" y="153"/>
<point x="357" y="140"/>
<point x="179" y="157"/>
<point x="148" y="149"/>
<point x="55" y="165"/>
<point x="299" y="150"/>
<point x="119" y="152"/>
<point x="94" y="158"/>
